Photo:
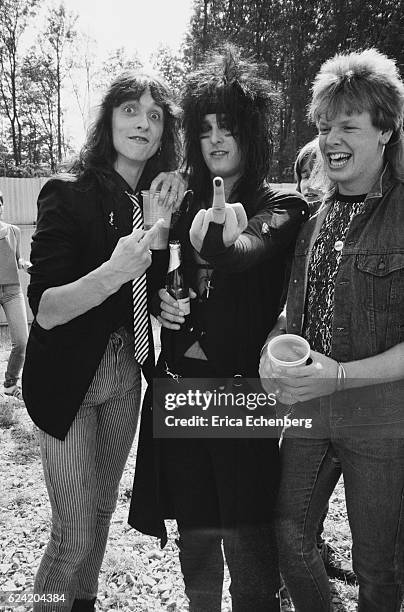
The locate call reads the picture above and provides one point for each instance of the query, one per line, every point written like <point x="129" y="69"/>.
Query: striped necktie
<point x="140" y="316"/>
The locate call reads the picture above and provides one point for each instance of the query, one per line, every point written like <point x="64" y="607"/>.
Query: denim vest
<point x="368" y="315"/>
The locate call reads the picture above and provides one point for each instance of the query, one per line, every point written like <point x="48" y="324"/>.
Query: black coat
<point x="75" y="234"/>
<point x="249" y="279"/>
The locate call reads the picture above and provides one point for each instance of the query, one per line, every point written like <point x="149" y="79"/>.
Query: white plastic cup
<point x="288" y="351"/>
<point x="152" y="211"/>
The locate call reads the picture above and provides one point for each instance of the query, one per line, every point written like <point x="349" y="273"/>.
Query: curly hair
<point x="97" y="156"/>
<point x="363" y="81"/>
<point x="230" y="86"/>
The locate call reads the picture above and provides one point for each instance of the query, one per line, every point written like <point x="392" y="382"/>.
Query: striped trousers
<point x="82" y="475"/>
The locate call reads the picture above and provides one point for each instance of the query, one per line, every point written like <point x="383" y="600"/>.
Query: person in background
<point x="12" y="301"/>
<point x="222" y="490"/>
<point x="304" y="169"/>
<point x="312" y="184"/>
<point x="91" y="337"/>
<point x="346" y="297"/>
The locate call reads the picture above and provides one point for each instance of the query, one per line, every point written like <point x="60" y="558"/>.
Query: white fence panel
<point x="20" y="196"/>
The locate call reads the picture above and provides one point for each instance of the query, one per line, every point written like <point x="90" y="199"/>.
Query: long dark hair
<point x="97" y="156"/>
<point x="230" y="86"/>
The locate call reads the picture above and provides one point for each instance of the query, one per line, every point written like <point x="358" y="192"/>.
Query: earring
<point x="159" y="151"/>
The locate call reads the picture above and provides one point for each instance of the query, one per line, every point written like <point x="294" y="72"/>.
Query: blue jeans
<point x="12" y="300"/>
<point x="373" y="471"/>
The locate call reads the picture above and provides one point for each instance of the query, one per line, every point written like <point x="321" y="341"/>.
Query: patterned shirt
<point x="323" y="268"/>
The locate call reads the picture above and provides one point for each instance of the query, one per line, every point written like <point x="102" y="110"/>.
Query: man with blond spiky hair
<point x="346" y="297"/>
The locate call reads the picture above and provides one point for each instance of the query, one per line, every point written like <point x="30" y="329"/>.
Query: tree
<point x="293" y="38"/>
<point x="40" y="104"/>
<point x="59" y="34"/>
<point x="172" y="66"/>
<point x="116" y="62"/>
<point x="82" y="73"/>
<point x="14" y="16"/>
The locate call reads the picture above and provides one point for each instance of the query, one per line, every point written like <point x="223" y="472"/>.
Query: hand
<point x="171" y="316"/>
<point x="266" y="374"/>
<point x="231" y="216"/>
<point x="132" y="256"/>
<point x="23" y="264"/>
<point x="172" y="186"/>
<point x="303" y="383"/>
<point x="265" y="366"/>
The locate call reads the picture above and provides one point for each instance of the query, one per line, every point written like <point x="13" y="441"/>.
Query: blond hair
<point x="363" y="81"/>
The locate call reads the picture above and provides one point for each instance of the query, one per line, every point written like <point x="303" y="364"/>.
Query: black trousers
<point x="217" y="489"/>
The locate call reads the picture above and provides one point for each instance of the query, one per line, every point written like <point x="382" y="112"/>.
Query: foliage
<point x="172" y="66"/>
<point x="14" y="17"/>
<point x="116" y="62"/>
<point x="31" y="88"/>
<point x="58" y="36"/>
<point x="82" y="73"/>
<point x="293" y="38"/>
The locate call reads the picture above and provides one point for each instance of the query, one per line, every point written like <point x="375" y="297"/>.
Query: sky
<point x="138" y="25"/>
<point x="135" y="24"/>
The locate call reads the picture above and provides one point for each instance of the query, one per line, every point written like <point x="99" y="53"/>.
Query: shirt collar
<point x="382" y="183"/>
<point x="121" y="185"/>
<point x="380" y="186"/>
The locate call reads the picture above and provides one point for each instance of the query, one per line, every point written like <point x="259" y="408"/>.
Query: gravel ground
<point x="136" y="575"/>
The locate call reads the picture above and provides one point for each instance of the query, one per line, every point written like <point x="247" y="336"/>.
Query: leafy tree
<point x="58" y="36"/>
<point x="40" y="104"/>
<point x="82" y="73"/>
<point x="172" y="66"/>
<point x="14" y="17"/>
<point x="293" y="38"/>
<point x="116" y="62"/>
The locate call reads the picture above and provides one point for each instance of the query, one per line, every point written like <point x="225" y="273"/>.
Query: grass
<point x="23" y="498"/>
<point x="8" y="415"/>
<point x="26" y="445"/>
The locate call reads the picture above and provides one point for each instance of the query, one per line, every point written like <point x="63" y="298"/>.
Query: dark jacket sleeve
<point x="55" y="243"/>
<point x="156" y="277"/>
<point x="270" y="231"/>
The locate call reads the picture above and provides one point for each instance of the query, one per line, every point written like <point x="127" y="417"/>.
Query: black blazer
<point x="75" y="234"/>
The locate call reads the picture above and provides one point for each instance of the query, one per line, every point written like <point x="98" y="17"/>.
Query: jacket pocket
<point x="382" y="278"/>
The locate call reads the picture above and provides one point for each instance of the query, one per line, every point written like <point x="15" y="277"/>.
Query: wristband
<point x="341" y="377"/>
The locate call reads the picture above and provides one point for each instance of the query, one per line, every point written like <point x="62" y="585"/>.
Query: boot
<point x="83" y="605"/>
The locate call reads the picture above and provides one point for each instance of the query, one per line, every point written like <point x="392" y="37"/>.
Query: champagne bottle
<point x="175" y="283"/>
